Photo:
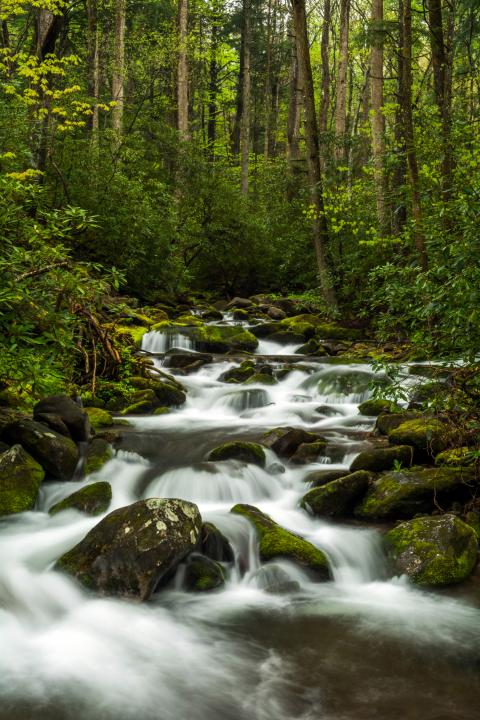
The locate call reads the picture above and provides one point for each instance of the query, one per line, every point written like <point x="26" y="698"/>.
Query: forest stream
<point x="272" y="643"/>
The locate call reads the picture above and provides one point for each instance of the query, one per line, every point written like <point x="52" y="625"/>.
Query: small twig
<point x="41" y="271"/>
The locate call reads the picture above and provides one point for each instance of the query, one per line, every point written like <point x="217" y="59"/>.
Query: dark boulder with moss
<point x="405" y="493"/>
<point x="284" y="441"/>
<point x="377" y="406"/>
<point x="427" y="435"/>
<point x="308" y="452"/>
<point x="247" y="452"/>
<point x="72" y="415"/>
<point x="386" y="422"/>
<point x="217" y="338"/>
<point x="134" y="548"/>
<point x="215" y="545"/>
<point x="98" y="453"/>
<point x="384" y="458"/>
<point x="92" y="499"/>
<point x="338" y="497"/>
<point x="433" y="551"/>
<point x="239" y="374"/>
<point x="276" y="542"/>
<point x="318" y="478"/>
<point x="99" y="418"/>
<point x="58" y="455"/>
<point x="202" y="574"/>
<point x="20" y="480"/>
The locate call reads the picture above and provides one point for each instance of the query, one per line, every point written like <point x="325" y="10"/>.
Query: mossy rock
<point x="308" y="452"/>
<point x="133" y="549"/>
<point x="99" y="418"/>
<point x="386" y="422"/>
<point x="276" y="542"/>
<point x="377" y="406"/>
<point x="318" y="478"/>
<point x="427" y="435"/>
<point x="406" y="493"/>
<point x="284" y="441"/>
<point x="238" y="374"/>
<point x="219" y="338"/>
<point x="202" y="574"/>
<point x="312" y="347"/>
<point x="472" y="518"/>
<point x="162" y="411"/>
<point x="455" y="457"/>
<point x="215" y="545"/>
<point x="333" y="331"/>
<point x="338" y="497"/>
<point x="140" y="408"/>
<point x="57" y="454"/>
<point x="248" y="452"/>
<point x="261" y="379"/>
<point x="433" y="551"/>
<point x="92" y="499"/>
<point x="99" y="452"/>
<point x="20" y="480"/>
<point x="385" y="458"/>
<point x="132" y="334"/>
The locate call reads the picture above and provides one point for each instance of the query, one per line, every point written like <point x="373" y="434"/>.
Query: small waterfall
<point x="269" y="347"/>
<point x="156" y="342"/>
<point x="245" y="399"/>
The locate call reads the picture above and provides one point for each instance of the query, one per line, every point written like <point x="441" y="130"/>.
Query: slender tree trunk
<point x="378" y="120"/>
<point x="268" y="84"/>
<point x="325" y="85"/>
<point x="246" y="99"/>
<point x="294" y="112"/>
<point x="93" y="63"/>
<point x="442" y="77"/>
<point x="341" y="104"/>
<point x="405" y="15"/>
<point x="182" y="71"/>
<point x="213" y="90"/>
<point x="118" y="74"/>
<point x="321" y="235"/>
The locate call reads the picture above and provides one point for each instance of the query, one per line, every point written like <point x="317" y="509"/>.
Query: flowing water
<point x="360" y="647"/>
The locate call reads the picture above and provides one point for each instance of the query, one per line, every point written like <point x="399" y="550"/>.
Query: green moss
<point x="92" y="499"/>
<point x="99" y="452"/>
<point x="384" y="458"/>
<point x="237" y="450"/>
<point x="261" y="379"/>
<point x="337" y="497"/>
<point x="99" y="418"/>
<point x="20" y="480"/>
<point x="374" y="407"/>
<point x="203" y="574"/>
<point x="276" y="542"/>
<point x="133" y="333"/>
<point x="454" y="457"/>
<point x="428" y="435"/>
<point x="433" y="550"/>
<point x="140" y="408"/>
<point x="161" y="411"/>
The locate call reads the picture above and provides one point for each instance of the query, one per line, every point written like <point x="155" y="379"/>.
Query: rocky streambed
<point x="262" y="539"/>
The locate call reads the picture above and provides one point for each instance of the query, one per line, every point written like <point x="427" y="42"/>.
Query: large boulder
<point x="92" y="499"/>
<point x="57" y="454"/>
<point x="247" y="452"/>
<point x="438" y="550"/>
<point x="405" y="493"/>
<point x="284" y="441"/>
<point x="384" y="458"/>
<point x="388" y="421"/>
<point x="20" y="479"/>
<point x="74" y="417"/>
<point x="427" y="435"/>
<point x="377" y="406"/>
<point x="134" y="548"/>
<point x="276" y="542"/>
<point x="318" y="478"/>
<point x="308" y="452"/>
<point x="99" y="418"/>
<point x="218" y="338"/>
<point x="338" y="497"/>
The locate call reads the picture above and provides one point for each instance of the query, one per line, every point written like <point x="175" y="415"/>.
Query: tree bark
<point x="213" y="90"/>
<point x="182" y="71"/>
<point x="378" y="120"/>
<point x="321" y="235"/>
<point x="118" y="73"/>
<point x="93" y="62"/>
<point x="405" y="15"/>
<point x="246" y="99"/>
<point x="341" y="104"/>
<point x="295" y="105"/>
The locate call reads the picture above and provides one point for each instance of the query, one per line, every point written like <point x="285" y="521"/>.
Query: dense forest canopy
<point x="329" y="150"/>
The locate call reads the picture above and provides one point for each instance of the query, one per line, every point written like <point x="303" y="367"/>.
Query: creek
<point x="360" y="647"/>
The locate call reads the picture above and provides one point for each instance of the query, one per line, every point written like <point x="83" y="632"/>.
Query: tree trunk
<point x="268" y="84"/>
<point x="246" y="100"/>
<point x="295" y="105"/>
<point x="118" y="74"/>
<point x="321" y="236"/>
<point x="213" y="91"/>
<point x="182" y="71"/>
<point x="341" y="104"/>
<point x="405" y="15"/>
<point x="442" y="77"/>
<point x="325" y="86"/>
<point x="378" y="120"/>
<point x="93" y="62"/>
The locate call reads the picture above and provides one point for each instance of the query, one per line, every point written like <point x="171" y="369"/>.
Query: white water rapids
<point x="358" y="647"/>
